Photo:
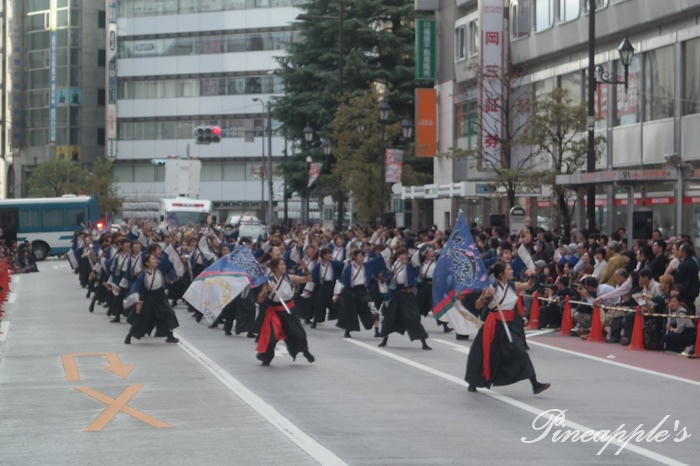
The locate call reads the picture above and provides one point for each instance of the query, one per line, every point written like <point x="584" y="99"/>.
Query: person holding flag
<point x="280" y="323"/>
<point x="498" y="355"/>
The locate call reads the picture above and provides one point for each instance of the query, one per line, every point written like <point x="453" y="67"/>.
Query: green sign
<point x="426" y="40"/>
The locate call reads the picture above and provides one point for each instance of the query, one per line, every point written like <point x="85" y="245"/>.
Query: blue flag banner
<point x="223" y="281"/>
<point x="172" y="220"/>
<point x="459" y="271"/>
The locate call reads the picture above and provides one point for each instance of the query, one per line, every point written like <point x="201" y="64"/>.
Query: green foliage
<point x="58" y="177"/>
<point x="556" y="132"/>
<point x="378" y="42"/>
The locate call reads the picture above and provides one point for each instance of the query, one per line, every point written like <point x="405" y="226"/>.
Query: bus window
<point x="30" y="219"/>
<point x="53" y="217"/>
<point x="75" y="217"/>
<point x="8" y="223"/>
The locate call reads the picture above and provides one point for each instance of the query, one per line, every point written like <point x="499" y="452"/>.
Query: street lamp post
<point x="384" y="111"/>
<point x="341" y="65"/>
<point x="267" y="133"/>
<point x="597" y="75"/>
<point x="677" y="161"/>
<point x="308" y="136"/>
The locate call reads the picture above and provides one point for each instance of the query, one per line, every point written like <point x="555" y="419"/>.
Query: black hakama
<point x="155" y="312"/>
<point x="402" y="315"/>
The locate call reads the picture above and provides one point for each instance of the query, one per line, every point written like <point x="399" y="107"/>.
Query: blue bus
<point x="48" y="223"/>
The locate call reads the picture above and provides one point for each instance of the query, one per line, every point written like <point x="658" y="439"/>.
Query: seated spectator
<point x="551" y="312"/>
<point x="680" y="330"/>
<point x="613" y="318"/>
<point x="601" y="263"/>
<point x="588" y="289"/>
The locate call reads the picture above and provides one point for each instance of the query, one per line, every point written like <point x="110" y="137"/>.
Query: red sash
<point x="487" y="338"/>
<point x="272" y="319"/>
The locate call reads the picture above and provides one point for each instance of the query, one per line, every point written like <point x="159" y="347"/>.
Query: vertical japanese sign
<point x="111" y="85"/>
<point x="426" y="38"/>
<point x="394" y="164"/>
<point x="492" y="82"/>
<point x="52" y="72"/>
<point x="426" y="122"/>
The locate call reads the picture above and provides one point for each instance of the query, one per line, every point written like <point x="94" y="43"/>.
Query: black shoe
<point x="92" y="307"/>
<point x="461" y="337"/>
<point x="261" y="357"/>
<point x="307" y="321"/>
<point x="198" y="319"/>
<point x="214" y="325"/>
<point x="471" y="389"/>
<point x="250" y="335"/>
<point x="376" y="333"/>
<point x="228" y="333"/>
<point x="171" y="339"/>
<point x="347" y="334"/>
<point x="540" y="387"/>
<point x="446" y="329"/>
<point x="426" y="347"/>
<point x="127" y="340"/>
<point x="309" y="357"/>
<point x="313" y="325"/>
<point x="116" y="320"/>
<point x="173" y="303"/>
<point x="87" y="295"/>
<point x="383" y="343"/>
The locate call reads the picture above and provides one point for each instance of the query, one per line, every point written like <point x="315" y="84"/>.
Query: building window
<point x="599" y="5"/>
<point x="460" y="43"/>
<point x="100" y="136"/>
<point x="628" y="108"/>
<point x="544" y="14"/>
<point x="691" y="77"/>
<point x="572" y="83"/>
<point x="100" y="97"/>
<point x="569" y="10"/>
<point x="520" y="18"/>
<point x="474" y="38"/>
<point x="101" y="57"/>
<point x="659" y="72"/>
<point x="101" y="19"/>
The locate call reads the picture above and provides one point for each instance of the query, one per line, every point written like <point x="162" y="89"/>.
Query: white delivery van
<point x="183" y="210"/>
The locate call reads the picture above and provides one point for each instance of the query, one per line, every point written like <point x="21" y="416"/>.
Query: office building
<point x="188" y="63"/>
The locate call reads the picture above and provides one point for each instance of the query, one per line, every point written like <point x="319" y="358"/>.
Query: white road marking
<point x="4" y="328"/>
<point x="515" y="403"/>
<point x="615" y="363"/>
<point x="537" y="333"/>
<point x="455" y="346"/>
<point x="314" y="449"/>
<point x="16" y="278"/>
<point x="55" y="267"/>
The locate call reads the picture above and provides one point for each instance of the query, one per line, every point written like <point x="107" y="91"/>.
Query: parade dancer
<point x="354" y="281"/>
<point x="119" y="279"/>
<point x="498" y="355"/>
<point x="402" y="314"/>
<point x="279" y="324"/>
<point x="150" y="305"/>
<point x="424" y="296"/>
<point x="324" y="275"/>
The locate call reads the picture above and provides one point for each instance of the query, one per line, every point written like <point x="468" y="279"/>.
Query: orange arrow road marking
<point x="115" y="406"/>
<point x="115" y="366"/>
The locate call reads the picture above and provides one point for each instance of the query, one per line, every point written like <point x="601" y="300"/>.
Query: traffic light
<point x="158" y="162"/>
<point x="207" y="134"/>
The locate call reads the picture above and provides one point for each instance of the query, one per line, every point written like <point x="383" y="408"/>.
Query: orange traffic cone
<point x="520" y="305"/>
<point x="596" y="333"/>
<point x="637" y="340"/>
<point x="566" y="322"/>
<point x="697" y="345"/>
<point x="534" y="313"/>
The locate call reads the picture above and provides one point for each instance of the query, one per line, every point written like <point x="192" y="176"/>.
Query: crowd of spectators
<point x="614" y="274"/>
<point x="19" y="256"/>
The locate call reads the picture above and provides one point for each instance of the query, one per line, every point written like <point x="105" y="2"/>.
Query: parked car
<point x="249" y="226"/>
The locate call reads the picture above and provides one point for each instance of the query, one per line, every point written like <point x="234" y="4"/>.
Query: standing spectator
<point x="687" y="275"/>
<point x="660" y="261"/>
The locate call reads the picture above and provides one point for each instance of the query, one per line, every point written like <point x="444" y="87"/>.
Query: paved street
<point x="71" y="393"/>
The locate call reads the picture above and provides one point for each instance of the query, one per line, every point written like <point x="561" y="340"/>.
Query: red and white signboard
<point x="492" y="82"/>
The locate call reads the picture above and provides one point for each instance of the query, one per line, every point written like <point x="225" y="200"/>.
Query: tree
<point x="554" y="132"/>
<point x="58" y="177"/>
<point x="357" y="130"/>
<point x="511" y="166"/>
<point x="377" y="54"/>
<point x="99" y="183"/>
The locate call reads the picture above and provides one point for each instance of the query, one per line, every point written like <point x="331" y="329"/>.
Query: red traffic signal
<point x="207" y="134"/>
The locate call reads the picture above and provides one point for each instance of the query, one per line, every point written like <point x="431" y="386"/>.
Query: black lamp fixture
<point x="407" y="128"/>
<point x="326" y="146"/>
<point x="626" y="53"/>
<point x="308" y="132"/>
<point x="384" y="110"/>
